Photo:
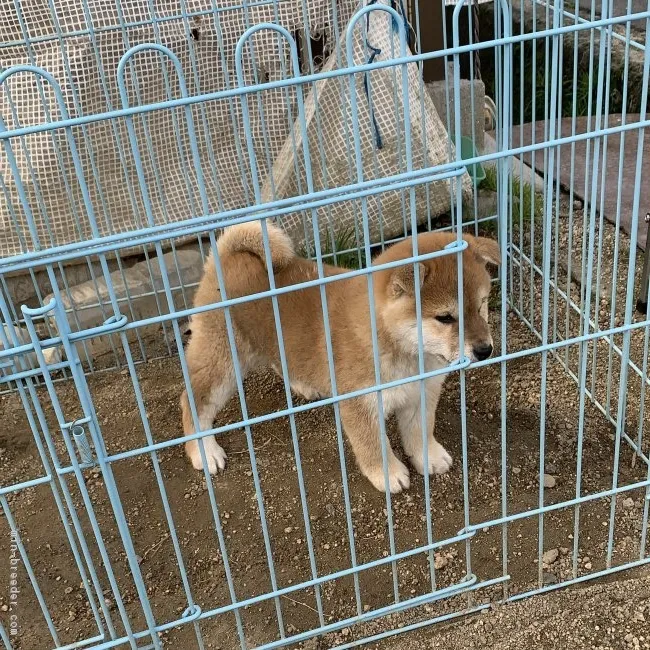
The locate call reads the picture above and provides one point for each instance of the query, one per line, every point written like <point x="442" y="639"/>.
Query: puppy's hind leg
<point x="212" y="378"/>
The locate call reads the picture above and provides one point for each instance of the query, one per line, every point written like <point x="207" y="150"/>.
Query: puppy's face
<point x="439" y="300"/>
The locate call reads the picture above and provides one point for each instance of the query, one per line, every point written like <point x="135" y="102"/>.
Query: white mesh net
<point x="81" y="46"/>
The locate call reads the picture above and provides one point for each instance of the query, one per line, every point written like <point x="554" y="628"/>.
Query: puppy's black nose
<point x="482" y="351"/>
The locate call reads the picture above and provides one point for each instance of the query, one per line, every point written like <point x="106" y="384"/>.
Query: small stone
<point x="440" y="561"/>
<point x="72" y="616"/>
<point x="549" y="578"/>
<point x="5" y="608"/>
<point x="516" y="470"/>
<point x="288" y="529"/>
<point x="550" y="556"/>
<point x="588" y="566"/>
<point x="628" y="504"/>
<point x="549" y="481"/>
<point x="551" y="468"/>
<point x="68" y="590"/>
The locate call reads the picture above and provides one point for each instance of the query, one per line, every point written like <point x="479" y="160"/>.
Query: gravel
<point x="550" y="556"/>
<point x="581" y="619"/>
<point x="549" y="481"/>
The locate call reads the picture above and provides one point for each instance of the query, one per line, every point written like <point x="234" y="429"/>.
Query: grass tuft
<point x="340" y="250"/>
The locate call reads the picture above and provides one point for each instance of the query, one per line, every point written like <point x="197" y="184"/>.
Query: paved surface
<point x="612" y="181"/>
<point x="620" y="9"/>
<point x="637" y="6"/>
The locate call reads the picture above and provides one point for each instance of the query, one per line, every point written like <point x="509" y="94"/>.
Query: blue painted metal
<point x="527" y="266"/>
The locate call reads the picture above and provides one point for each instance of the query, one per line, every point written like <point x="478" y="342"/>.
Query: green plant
<point x="531" y="203"/>
<point x="341" y="250"/>
<point x="531" y="84"/>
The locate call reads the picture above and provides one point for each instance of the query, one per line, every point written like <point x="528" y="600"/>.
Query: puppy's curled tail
<point x="248" y="238"/>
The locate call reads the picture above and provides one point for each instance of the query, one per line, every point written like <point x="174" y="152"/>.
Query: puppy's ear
<point x="402" y="281"/>
<point x="487" y="250"/>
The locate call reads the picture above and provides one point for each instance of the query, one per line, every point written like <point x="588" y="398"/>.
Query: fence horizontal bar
<point x="452" y="249"/>
<point x="556" y="345"/>
<point x="559" y="506"/>
<point x="580" y="19"/>
<point x="588" y="393"/>
<point x="328" y="401"/>
<point x="198" y="225"/>
<point x="591" y="576"/>
<point x="32" y="372"/>
<point x="280" y="207"/>
<point x="300" y="80"/>
<point x="592" y="323"/>
<point x="25" y="484"/>
<point x="461" y="587"/>
<point x="110" y="326"/>
<point x="115" y="323"/>
<point x="385" y="611"/>
<point x="341" y="574"/>
<point x="187" y="313"/>
<point x="414" y="626"/>
<point x="75" y="645"/>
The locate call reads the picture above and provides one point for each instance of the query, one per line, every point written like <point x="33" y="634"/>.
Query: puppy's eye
<point x="447" y="319"/>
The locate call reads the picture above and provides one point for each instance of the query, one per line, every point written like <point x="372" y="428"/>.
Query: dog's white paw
<point x="308" y="393"/>
<point x="439" y="460"/>
<point x="214" y="455"/>
<point x="398" y="477"/>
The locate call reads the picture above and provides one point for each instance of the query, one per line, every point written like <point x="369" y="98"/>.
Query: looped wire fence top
<point x="82" y="49"/>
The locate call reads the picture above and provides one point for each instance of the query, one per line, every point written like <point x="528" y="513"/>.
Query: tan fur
<point x="242" y="257"/>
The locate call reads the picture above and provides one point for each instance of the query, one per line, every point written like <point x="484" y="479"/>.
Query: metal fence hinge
<point x="80" y="438"/>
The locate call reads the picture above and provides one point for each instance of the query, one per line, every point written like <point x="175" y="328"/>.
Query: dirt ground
<point x="502" y="476"/>
<point x="203" y="558"/>
<point x="602" y="616"/>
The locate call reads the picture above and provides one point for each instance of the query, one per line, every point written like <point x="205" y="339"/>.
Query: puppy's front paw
<point x="308" y="393"/>
<point x="214" y="455"/>
<point x="439" y="460"/>
<point x="398" y="477"/>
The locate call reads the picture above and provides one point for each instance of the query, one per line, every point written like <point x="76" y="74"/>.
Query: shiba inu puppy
<point x="243" y="260"/>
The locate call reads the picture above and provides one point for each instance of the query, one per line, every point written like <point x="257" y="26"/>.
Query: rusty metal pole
<point x="642" y="301"/>
<point x="432" y="24"/>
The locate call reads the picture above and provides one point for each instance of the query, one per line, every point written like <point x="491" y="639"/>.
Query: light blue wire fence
<point x="563" y="301"/>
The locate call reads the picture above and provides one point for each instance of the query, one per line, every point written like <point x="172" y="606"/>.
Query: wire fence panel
<point x="256" y="232"/>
